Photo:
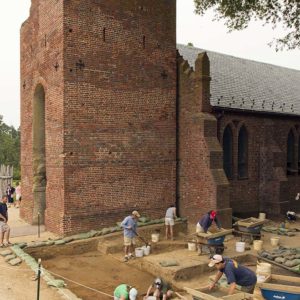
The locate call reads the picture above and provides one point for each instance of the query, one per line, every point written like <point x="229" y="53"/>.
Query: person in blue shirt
<point x="235" y="274"/>
<point x="129" y="224"/>
<point x="206" y="221"/>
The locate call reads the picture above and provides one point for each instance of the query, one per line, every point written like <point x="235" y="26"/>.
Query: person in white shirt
<point x="170" y="221"/>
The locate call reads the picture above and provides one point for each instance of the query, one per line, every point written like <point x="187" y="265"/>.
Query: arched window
<point x="227" y="152"/>
<point x="290" y="161"/>
<point x="243" y="153"/>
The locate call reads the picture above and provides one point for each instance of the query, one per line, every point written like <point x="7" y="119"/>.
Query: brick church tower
<point x="98" y="111"/>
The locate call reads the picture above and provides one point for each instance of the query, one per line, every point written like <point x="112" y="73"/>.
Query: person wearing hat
<point x="129" y="225"/>
<point x="235" y="274"/>
<point x="159" y="289"/>
<point x="206" y="221"/>
<point x="125" y="292"/>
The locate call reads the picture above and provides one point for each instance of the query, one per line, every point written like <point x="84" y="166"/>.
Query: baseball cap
<point x="133" y="294"/>
<point x="213" y="214"/>
<point x="136" y="213"/>
<point x="217" y="258"/>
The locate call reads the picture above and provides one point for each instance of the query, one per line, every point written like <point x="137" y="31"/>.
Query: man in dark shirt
<point x="206" y="221"/>
<point x="4" y="228"/>
<point x="235" y="273"/>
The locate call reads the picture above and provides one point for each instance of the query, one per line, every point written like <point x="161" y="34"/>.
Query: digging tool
<point x="141" y="238"/>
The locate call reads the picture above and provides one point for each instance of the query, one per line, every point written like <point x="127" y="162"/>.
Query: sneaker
<point x="131" y="256"/>
<point x="125" y="259"/>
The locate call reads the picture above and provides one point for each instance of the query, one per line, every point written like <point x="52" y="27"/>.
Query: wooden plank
<point x="250" y="222"/>
<point x="280" y="287"/>
<point x="214" y="235"/>
<point x="199" y="294"/>
<point x="286" y="278"/>
<point x="236" y="296"/>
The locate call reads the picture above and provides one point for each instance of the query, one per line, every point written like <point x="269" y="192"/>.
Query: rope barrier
<point x="87" y="287"/>
<point x="60" y="289"/>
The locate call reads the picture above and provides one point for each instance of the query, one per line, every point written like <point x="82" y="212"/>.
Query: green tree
<point x="10" y="147"/>
<point x="238" y="13"/>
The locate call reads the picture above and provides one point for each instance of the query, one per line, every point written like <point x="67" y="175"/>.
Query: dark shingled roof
<point x="239" y="83"/>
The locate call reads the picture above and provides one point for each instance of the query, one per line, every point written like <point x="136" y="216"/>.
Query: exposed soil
<point x="101" y="272"/>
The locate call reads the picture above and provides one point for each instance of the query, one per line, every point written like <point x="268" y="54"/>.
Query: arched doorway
<point x="39" y="155"/>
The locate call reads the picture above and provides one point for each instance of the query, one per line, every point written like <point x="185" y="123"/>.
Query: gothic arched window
<point x="243" y="153"/>
<point x="227" y="152"/>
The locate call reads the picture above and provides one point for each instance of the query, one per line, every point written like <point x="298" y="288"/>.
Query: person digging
<point x="235" y="274"/>
<point x="129" y="224"/>
<point x="159" y="289"/>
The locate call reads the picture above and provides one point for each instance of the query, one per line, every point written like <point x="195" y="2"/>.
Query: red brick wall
<point x="202" y="184"/>
<point x="41" y="50"/>
<point x="111" y="108"/>
<point x="267" y="187"/>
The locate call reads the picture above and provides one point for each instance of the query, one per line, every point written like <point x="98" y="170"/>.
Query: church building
<point x="116" y="116"/>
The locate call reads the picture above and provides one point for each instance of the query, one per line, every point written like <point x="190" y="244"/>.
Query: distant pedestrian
<point x="4" y="228"/>
<point x="10" y="190"/>
<point x="129" y="225"/>
<point x="18" y="195"/>
<point x="170" y="221"/>
<point x="125" y="292"/>
<point x="206" y="221"/>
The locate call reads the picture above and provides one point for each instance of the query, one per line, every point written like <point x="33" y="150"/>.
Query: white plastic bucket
<point x="240" y="246"/>
<point x="155" y="237"/>
<point x="263" y="268"/>
<point x="139" y="252"/>
<point x="274" y="241"/>
<point x="262" y="216"/>
<point x="192" y="246"/>
<point x="257" y="245"/>
<point x="146" y="250"/>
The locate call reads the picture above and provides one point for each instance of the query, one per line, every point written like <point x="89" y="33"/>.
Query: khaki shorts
<point x="199" y="228"/>
<point x="3" y="227"/>
<point x="169" y="221"/>
<point x="129" y="241"/>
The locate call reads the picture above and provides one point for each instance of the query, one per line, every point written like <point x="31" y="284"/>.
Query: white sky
<point x="201" y="31"/>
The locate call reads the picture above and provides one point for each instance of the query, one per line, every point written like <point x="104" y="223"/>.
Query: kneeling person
<point x="125" y="292"/>
<point x="235" y="273"/>
<point x="159" y="289"/>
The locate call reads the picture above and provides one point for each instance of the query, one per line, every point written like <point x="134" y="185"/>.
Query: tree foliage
<point x="10" y="147"/>
<point x="238" y="13"/>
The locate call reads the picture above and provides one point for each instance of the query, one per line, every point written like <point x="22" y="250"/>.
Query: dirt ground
<point x="16" y="283"/>
<point x="104" y="272"/>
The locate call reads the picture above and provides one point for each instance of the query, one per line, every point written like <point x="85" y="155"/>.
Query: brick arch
<point x="232" y="127"/>
<point x="39" y="153"/>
